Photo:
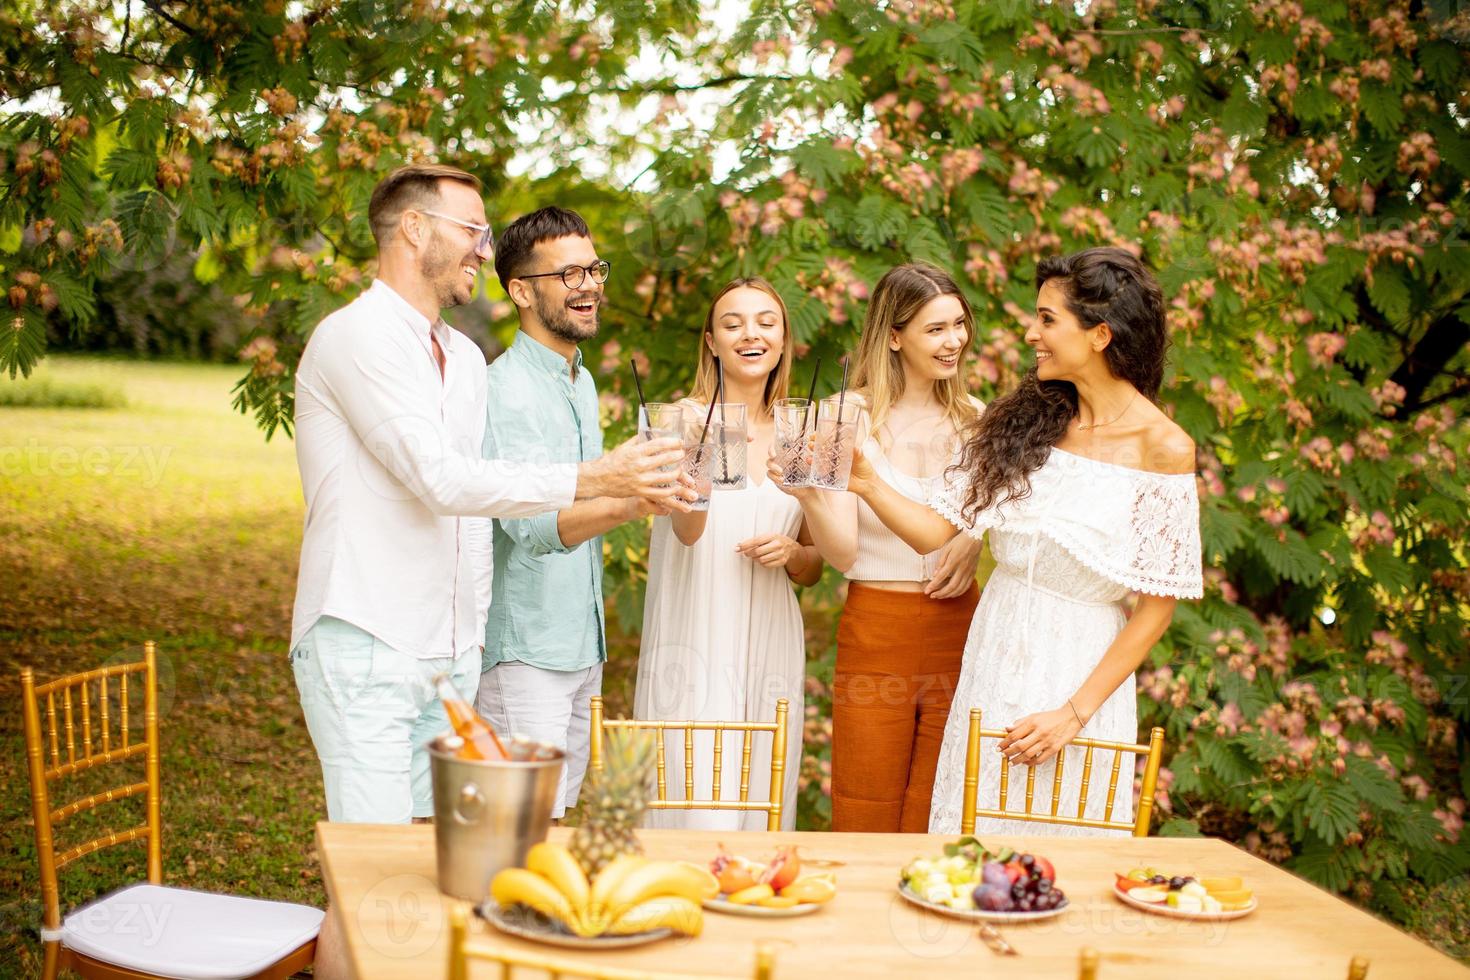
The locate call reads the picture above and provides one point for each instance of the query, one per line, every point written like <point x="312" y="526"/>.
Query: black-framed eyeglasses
<point x="574" y="275"/>
<point x="486" y="240"/>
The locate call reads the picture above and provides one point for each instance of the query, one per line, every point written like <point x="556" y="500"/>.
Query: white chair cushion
<point x="189" y="935"/>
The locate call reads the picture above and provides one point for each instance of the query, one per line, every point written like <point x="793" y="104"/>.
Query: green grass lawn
<point x="168" y="517"/>
<point x="172" y="519"/>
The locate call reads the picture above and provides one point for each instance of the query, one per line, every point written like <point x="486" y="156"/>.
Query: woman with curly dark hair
<point x="1087" y="489"/>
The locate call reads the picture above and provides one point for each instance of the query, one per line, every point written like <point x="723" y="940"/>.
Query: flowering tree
<point x="1298" y="180"/>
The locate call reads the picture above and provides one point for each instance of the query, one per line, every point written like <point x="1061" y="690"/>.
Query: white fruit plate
<point x="759" y="911"/>
<point x="981" y="915"/>
<point x="1160" y="908"/>
<point x="522" y="922"/>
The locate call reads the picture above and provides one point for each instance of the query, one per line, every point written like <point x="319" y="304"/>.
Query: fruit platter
<point x="774" y="889"/>
<point x="970" y="881"/>
<point x="630" y="901"/>
<point x="1185" y="896"/>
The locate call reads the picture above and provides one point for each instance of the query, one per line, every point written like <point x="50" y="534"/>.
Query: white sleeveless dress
<point x="722" y="641"/>
<point x="1089" y="534"/>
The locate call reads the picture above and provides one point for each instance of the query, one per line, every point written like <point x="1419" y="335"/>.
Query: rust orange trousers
<point x="898" y="661"/>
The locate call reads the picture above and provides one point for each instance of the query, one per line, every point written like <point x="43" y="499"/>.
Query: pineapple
<point x="613" y="799"/>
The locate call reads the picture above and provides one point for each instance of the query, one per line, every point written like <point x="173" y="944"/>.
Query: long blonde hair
<point x="878" y="372"/>
<point x="779" y="378"/>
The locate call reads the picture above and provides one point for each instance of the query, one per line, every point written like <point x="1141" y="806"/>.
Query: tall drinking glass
<point x="727" y="432"/>
<point x="661" y="420"/>
<point x="833" y="442"/>
<point x="794" y="418"/>
<point x="699" y="457"/>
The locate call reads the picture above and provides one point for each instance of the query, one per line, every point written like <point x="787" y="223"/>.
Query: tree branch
<point x="1428" y="359"/>
<point x="157" y="7"/>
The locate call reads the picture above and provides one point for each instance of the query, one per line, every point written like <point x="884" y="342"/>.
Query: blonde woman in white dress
<point x="1087" y="489"/>
<point x="722" y="630"/>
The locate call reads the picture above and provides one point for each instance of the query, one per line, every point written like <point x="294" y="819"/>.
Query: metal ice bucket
<point x="488" y="814"/>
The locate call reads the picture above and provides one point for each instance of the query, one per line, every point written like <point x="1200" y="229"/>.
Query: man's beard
<point x="557" y="320"/>
<point x="440" y="267"/>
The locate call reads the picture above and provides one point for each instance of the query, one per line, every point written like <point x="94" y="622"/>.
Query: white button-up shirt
<point x="390" y="466"/>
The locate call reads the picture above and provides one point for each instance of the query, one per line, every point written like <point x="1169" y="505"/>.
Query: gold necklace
<point x="1081" y="426"/>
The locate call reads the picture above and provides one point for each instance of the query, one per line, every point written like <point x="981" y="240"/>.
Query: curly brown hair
<point x="1016" y="433"/>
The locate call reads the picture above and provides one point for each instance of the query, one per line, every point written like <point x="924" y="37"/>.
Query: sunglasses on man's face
<point x="485" y="240"/>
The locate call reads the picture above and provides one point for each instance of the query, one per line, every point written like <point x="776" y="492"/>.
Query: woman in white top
<point x="902" y="634"/>
<point x="722" y="631"/>
<point x="1088" y="491"/>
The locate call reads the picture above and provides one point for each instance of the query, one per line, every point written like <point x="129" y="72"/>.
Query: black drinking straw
<point x="843" y="393"/>
<point x="811" y="393"/>
<point x="720" y="394"/>
<point x="637" y="381"/>
<point x="704" y="435"/>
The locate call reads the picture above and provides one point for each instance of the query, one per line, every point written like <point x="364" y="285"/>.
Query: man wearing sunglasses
<point x="394" y="576"/>
<point x="544" y="638"/>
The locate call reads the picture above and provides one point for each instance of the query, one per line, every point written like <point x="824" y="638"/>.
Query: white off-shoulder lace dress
<point x="1089" y="534"/>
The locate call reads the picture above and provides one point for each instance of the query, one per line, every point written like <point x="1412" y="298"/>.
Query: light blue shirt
<point x="546" y="599"/>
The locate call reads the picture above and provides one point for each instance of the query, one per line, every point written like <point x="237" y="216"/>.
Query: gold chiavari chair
<point x="143" y="930"/>
<point x="464" y="949"/>
<point x="773" y="807"/>
<point x="1154" y="751"/>
<point x="1358" y="968"/>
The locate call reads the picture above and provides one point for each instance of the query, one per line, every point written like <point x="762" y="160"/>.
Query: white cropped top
<point x="881" y="555"/>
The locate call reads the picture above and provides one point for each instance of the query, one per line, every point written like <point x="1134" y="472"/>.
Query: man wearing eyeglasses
<point x="544" y="638"/>
<point x="394" y="577"/>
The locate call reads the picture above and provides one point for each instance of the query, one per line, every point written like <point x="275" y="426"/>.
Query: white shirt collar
<point x="410" y="313"/>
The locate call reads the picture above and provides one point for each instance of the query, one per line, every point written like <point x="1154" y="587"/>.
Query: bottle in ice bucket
<point x="480" y="740"/>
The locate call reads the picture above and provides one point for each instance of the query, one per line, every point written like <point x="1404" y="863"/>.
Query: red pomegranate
<point x="783" y="869"/>
<point x="734" y="873"/>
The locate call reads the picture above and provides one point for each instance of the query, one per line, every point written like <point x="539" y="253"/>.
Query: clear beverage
<point x="480" y="740"/>
<point x="699" y="458"/>
<point x="727" y="432"/>
<point x="661" y="420"/>
<point x="791" y="448"/>
<point x="833" y="443"/>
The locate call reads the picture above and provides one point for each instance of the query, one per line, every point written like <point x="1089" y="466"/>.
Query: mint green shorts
<point x="371" y="710"/>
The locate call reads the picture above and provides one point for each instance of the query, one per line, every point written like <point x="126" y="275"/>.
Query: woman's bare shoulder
<point x="1167" y="448"/>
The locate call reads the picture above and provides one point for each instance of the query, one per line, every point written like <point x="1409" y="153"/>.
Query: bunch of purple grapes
<point x="1031" y="891"/>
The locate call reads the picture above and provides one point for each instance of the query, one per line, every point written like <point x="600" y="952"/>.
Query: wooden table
<point x="381" y="881"/>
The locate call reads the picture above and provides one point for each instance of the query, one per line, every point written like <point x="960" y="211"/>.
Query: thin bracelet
<point x="1080" y="722"/>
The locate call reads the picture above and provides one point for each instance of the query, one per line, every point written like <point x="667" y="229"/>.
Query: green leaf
<point x="1324" y="865"/>
<point x="989" y="209"/>
<point x="1292" y="559"/>
<point x="74" y="299"/>
<point x="1372" y="784"/>
<point x="1222" y="530"/>
<point x="822" y="163"/>
<point x="1388" y="570"/>
<point x="1349" y="398"/>
<point x="22" y="341"/>
<point x="1382" y="107"/>
<point x="925" y="243"/>
<point x="130" y="169"/>
<point x="1440" y="863"/>
<point x="877" y="221"/>
<point x="1304" y="490"/>
<point x="951" y="43"/>
<point x="1389" y="293"/>
<point x="1095" y="146"/>
<point x="1332" y="811"/>
<point x="1180" y="827"/>
<point x="1366" y="348"/>
<point x="1442" y="62"/>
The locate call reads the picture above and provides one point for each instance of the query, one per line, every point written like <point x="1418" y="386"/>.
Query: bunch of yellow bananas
<point x="632" y="894"/>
